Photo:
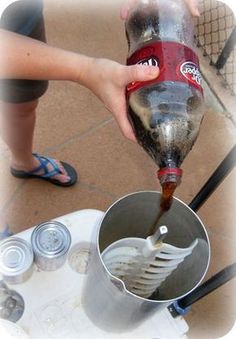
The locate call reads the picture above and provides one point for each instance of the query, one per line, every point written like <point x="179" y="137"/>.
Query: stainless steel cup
<point x="50" y="242"/>
<point x="106" y="300"/>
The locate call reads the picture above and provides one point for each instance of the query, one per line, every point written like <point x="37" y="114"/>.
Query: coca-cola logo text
<point x="151" y="61"/>
<point x="191" y="71"/>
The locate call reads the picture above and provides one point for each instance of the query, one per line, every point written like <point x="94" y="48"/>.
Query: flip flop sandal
<point x="47" y="175"/>
<point x="5" y="233"/>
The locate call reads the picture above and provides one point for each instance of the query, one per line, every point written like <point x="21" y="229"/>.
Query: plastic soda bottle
<point x="166" y="112"/>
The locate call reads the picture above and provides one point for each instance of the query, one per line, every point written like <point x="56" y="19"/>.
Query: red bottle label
<point x="175" y="61"/>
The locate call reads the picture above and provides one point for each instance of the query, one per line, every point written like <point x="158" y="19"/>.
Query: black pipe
<point x="182" y="306"/>
<point x="228" y="48"/>
<point x="213" y="182"/>
<point x="209" y="286"/>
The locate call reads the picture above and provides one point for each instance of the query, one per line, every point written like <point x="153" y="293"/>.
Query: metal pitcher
<point x="105" y="298"/>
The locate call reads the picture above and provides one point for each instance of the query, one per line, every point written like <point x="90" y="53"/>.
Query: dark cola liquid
<point x="152" y="145"/>
<point x="165" y="153"/>
<point x="158" y="19"/>
<point x="165" y="113"/>
<point x="165" y="131"/>
<point x="168" y="189"/>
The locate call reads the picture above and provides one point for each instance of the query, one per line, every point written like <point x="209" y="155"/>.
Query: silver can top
<point x="51" y="239"/>
<point x="16" y="256"/>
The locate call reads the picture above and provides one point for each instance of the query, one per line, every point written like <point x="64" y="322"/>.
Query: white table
<point x="53" y="308"/>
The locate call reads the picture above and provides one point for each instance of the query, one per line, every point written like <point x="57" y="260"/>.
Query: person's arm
<point x="25" y="58"/>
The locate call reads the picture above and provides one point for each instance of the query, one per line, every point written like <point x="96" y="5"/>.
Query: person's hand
<point x="129" y="4"/>
<point x="108" y="80"/>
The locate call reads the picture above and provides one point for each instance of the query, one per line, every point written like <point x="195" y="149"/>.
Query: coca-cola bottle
<point x="166" y="112"/>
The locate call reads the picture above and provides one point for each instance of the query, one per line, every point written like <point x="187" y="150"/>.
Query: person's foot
<point x="4" y="229"/>
<point x="41" y="167"/>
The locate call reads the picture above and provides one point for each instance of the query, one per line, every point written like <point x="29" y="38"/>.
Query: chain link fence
<point x="216" y="36"/>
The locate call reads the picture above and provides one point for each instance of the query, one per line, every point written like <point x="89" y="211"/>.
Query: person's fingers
<point x="124" y="11"/>
<point x="128" y="75"/>
<point x="193" y="7"/>
<point x="140" y="73"/>
<point x="125" y="126"/>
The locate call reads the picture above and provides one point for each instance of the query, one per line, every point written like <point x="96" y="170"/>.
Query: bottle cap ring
<point x="170" y="170"/>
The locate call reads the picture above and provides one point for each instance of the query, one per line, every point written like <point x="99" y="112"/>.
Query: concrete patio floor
<point x="73" y="126"/>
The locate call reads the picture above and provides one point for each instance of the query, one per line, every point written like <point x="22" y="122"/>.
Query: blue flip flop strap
<point x="44" y="166"/>
<point x="6" y="233"/>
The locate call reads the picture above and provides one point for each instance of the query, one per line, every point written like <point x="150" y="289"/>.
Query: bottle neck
<point x="169" y="179"/>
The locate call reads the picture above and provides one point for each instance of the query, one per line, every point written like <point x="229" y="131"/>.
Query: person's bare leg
<point x="17" y="130"/>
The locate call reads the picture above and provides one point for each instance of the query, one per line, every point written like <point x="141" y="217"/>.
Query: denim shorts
<point x="18" y="90"/>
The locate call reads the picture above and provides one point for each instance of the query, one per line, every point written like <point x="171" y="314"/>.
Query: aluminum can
<point x="16" y="260"/>
<point x="50" y="242"/>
